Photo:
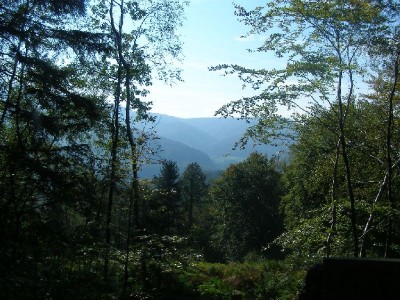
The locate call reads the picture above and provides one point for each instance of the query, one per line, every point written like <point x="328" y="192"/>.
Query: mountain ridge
<point x="207" y="141"/>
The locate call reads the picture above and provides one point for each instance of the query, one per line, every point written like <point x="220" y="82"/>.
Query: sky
<point x="211" y="36"/>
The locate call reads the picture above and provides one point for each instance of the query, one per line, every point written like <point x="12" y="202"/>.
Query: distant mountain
<point x="171" y="150"/>
<point x="219" y="127"/>
<point x="182" y="131"/>
<point x="207" y="141"/>
<point x="214" y="136"/>
<point x="179" y="153"/>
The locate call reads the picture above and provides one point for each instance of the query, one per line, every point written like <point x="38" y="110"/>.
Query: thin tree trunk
<point x="368" y="224"/>
<point x="114" y="148"/>
<point x="342" y="114"/>
<point x="128" y="242"/>
<point x="133" y="146"/>
<point x="134" y="190"/>
<point x="389" y="158"/>
<point x="346" y="161"/>
<point x="332" y="230"/>
<point x="353" y="216"/>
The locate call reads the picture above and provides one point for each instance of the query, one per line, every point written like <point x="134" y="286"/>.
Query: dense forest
<point x="78" y="222"/>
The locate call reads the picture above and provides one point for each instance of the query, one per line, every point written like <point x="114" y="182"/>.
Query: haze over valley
<point x="208" y="141"/>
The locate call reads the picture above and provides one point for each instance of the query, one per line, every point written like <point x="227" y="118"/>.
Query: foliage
<point x="136" y="53"/>
<point x="327" y="49"/>
<point x="48" y="187"/>
<point x="193" y="189"/>
<point x="317" y="43"/>
<point x="265" y="279"/>
<point x="163" y="211"/>
<point x="246" y="207"/>
<point x="55" y="136"/>
<point x="158" y="263"/>
<point x="308" y="177"/>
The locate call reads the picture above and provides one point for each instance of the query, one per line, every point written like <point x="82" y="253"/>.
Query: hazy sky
<point x="211" y="36"/>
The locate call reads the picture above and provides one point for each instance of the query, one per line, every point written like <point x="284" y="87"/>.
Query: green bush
<point x="252" y="280"/>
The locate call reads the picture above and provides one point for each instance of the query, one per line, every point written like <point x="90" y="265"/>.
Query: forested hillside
<point x="78" y="219"/>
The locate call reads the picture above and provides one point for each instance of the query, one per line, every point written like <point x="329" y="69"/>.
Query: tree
<point x="324" y="45"/>
<point x="47" y="178"/>
<point x="143" y="41"/>
<point x="246" y="207"/>
<point x="385" y="99"/>
<point x="193" y="188"/>
<point x="385" y="52"/>
<point x="56" y="79"/>
<point x="308" y="177"/>
<point x="167" y="199"/>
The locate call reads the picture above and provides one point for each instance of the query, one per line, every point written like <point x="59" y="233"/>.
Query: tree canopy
<point x="246" y="207"/>
<point x="57" y="74"/>
<point x="328" y="48"/>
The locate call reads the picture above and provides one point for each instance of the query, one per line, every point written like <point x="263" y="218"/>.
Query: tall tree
<point x="45" y="167"/>
<point x="385" y="52"/>
<point x="246" y="207"/>
<point x="385" y="97"/>
<point x="168" y="196"/>
<point x="143" y="40"/>
<point x="324" y="44"/>
<point x="308" y="177"/>
<point x="193" y="188"/>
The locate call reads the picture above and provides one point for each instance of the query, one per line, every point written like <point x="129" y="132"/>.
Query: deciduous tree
<point x="325" y="46"/>
<point x="246" y="207"/>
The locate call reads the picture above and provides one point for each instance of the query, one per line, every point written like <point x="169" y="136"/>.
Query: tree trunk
<point x="114" y="158"/>
<point x="389" y="157"/>
<point x="134" y="188"/>
<point x="334" y="199"/>
<point x="346" y="161"/>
